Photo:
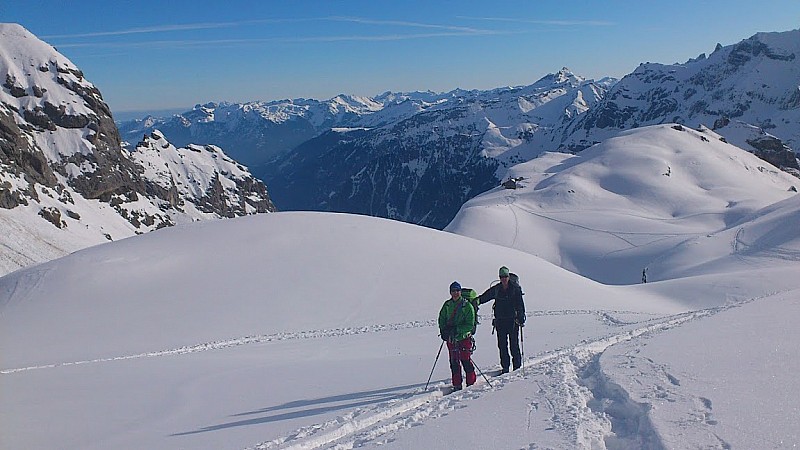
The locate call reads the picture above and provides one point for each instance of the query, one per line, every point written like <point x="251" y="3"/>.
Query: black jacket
<point x="508" y="303"/>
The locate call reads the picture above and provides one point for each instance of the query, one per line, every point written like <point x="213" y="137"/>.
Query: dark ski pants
<point x="508" y="336"/>
<point x="461" y="354"/>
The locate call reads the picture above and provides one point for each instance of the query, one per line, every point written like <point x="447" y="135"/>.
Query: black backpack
<point x="514" y="279"/>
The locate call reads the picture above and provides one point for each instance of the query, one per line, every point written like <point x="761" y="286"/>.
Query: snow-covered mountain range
<point x="420" y="169"/>
<point x="65" y="180"/>
<point x="416" y="157"/>
<point x="254" y="132"/>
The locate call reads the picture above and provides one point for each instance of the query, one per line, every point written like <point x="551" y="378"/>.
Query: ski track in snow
<point x="510" y="200"/>
<point x="604" y="315"/>
<point x="575" y="417"/>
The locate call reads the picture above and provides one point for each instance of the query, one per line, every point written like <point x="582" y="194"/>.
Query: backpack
<point x="514" y="278"/>
<point x="471" y="296"/>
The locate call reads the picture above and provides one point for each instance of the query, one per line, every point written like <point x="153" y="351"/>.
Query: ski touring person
<point x="456" y="321"/>
<point x="509" y="316"/>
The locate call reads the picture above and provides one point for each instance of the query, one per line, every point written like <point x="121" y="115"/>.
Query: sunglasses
<point x="503" y="276"/>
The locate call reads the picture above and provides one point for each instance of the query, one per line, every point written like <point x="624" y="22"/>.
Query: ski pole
<point x="480" y="371"/>
<point x="434" y="365"/>
<point x="522" y="337"/>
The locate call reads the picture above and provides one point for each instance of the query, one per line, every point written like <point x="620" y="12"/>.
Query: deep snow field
<point x="316" y="330"/>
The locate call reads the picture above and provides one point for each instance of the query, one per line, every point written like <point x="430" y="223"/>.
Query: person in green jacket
<point x="456" y="322"/>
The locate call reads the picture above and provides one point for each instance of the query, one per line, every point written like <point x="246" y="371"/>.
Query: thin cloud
<point x="216" y="25"/>
<point x="400" y="23"/>
<point x="170" y="28"/>
<point x="145" y="30"/>
<point x="444" y="31"/>
<point x="244" y="42"/>
<point x="595" y="23"/>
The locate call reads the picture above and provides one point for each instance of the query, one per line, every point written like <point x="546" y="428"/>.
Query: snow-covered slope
<point x="65" y="181"/>
<point x="614" y="210"/>
<point x="317" y="330"/>
<point x="764" y="239"/>
<point x="254" y="282"/>
<point x="313" y="330"/>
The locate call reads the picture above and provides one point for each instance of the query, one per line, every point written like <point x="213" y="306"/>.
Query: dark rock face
<point x="114" y="174"/>
<point x="14" y="89"/>
<point x="386" y="173"/>
<point x="52" y="215"/>
<point x="775" y="152"/>
<point x="18" y="156"/>
<point x="10" y="198"/>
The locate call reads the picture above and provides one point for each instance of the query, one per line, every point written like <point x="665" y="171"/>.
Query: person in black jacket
<point x="509" y="316"/>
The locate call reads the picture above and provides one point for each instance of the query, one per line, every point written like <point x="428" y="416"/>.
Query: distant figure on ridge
<point x="456" y="322"/>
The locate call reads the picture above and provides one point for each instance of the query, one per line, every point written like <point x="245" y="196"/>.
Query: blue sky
<point x="149" y="55"/>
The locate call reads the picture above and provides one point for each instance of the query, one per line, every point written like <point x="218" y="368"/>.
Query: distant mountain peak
<point x="561" y="77"/>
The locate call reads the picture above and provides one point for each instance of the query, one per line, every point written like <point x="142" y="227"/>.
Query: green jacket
<point x="462" y="323"/>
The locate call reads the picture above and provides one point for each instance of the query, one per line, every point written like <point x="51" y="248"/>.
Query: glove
<point x="445" y="333"/>
<point x="521" y="321"/>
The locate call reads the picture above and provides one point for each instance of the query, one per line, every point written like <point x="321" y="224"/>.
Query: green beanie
<point x="503" y="271"/>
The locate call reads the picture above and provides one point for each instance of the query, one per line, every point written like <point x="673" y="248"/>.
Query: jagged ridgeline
<point x="415" y="157"/>
<point x="65" y="180"/>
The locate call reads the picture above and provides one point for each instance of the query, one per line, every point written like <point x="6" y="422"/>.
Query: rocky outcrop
<point x="203" y="176"/>
<point x="61" y="161"/>
<point x="774" y="151"/>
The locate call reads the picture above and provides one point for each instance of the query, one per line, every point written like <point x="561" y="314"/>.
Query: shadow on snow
<point x="315" y="407"/>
